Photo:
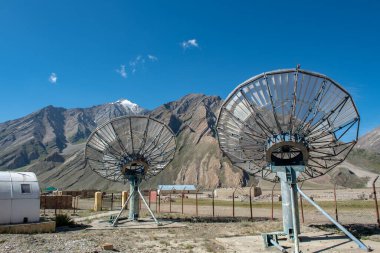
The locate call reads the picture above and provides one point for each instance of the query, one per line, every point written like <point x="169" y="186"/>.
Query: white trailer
<point x="19" y="197"/>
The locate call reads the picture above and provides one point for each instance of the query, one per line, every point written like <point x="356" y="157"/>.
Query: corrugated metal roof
<point x="50" y="189"/>
<point x="177" y="187"/>
<point x="8" y="176"/>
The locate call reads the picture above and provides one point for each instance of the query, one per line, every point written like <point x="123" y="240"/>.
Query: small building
<point x="153" y="196"/>
<point x="50" y="189"/>
<point x="240" y="192"/>
<point x="19" y="197"/>
<point x="174" y="189"/>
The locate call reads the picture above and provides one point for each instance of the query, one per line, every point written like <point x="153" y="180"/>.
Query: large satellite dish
<point x="289" y="116"/>
<point x="289" y="125"/>
<point x="130" y="148"/>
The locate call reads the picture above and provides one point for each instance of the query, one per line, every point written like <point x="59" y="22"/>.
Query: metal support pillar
<point x="290" y="213"/>
<point x="147" y="206"/>
<point x="133" y="201"/>
<point x="114" y="223"/>
<point x="289" y="189"/>
<point x="272" y="240"/>
<point x="134" y="198"/>
<point x="295" y="218"/>
<point x="343" y="229"/>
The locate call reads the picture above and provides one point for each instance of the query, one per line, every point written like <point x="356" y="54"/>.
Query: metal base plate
<point x="268" y="238"/>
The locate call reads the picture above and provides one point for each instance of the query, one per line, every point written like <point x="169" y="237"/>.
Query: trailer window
<point x="25" y="188"/>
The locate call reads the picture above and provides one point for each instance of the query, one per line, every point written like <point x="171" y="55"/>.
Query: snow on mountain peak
<point x="129" y="105"/>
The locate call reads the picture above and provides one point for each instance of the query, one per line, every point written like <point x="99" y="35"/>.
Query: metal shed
<point x="19" y="197"/>
<point x="166" y="189"/>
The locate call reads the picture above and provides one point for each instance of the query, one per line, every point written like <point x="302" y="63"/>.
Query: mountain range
<point x="50" y="142"/>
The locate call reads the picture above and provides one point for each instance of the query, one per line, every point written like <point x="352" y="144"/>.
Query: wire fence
<point x="347" y="206"/>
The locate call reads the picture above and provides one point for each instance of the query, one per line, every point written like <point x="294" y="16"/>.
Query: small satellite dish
<point x="288" y="125"/>
<point x="130" y="148"/>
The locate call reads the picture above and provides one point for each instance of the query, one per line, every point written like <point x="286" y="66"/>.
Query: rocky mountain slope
<point x="198" y="160"/>
<point x="50" y="142"/>
<point x="46" y="133"/>
<point x="366" y="153"/>
<point x="370" y="141"/>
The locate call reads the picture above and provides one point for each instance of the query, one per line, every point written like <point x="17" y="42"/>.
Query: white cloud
<point x="189" y="43"/>
<point x="152" y="57"/>
<point x="136" y="64"/>
<point x="122" y="71"/>
<point x="53" y="78"/>
<point x="139" y="60"/>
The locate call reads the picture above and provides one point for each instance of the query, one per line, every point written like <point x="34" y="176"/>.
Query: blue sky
<point x="84" y="53"/>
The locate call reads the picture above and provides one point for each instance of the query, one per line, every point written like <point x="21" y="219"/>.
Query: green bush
<point x="63" y="220"/>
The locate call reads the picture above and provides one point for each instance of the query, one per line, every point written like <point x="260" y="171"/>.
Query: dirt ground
<point x="219" y="234"/>
<point x="192" y="235"/>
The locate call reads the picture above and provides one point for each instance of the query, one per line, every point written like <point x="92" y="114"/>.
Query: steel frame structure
<point x="288" y="126"/>
<point x="288" y="105"/>
<point x="130" y="149"/>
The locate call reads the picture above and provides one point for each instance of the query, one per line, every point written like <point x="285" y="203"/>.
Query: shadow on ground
<point x="358" y="230"/>
<point x="76" y="227"/>
<point x="211" y="219"/>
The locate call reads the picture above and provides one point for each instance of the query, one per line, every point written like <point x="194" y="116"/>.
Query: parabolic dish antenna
<point x="130" y="148"/>
<point x="288" y="117"/>
<point x="289" y="126"/>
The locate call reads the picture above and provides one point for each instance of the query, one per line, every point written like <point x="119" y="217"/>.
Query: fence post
<point x="196" y="203"/>
<point x="182" y="202"/>
<point x="233" y="203"/>
<point x="59" y="205"/>
<point x="101" y="202"/>
<point x="170" y="202"/>
<point x="45" y="205"/>
<point x="375" y="197"/>
<point x="301" y="204"/>
<point x="336" y="206"/>
<point x="250" y="201"/>
<point x="213" y="203"/>
<point x="73" y="204"/>
<point x="111" y="201"/>
<point x="55" y="205"/>
<point x="182" y="198"/>
<point x="159" y="202"/>
<point x="124" y="197"/>
<point x="272" y="199"/>
<point x="150" y="190"/>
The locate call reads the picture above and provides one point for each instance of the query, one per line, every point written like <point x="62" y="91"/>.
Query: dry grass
<point x="344" y="204"/>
